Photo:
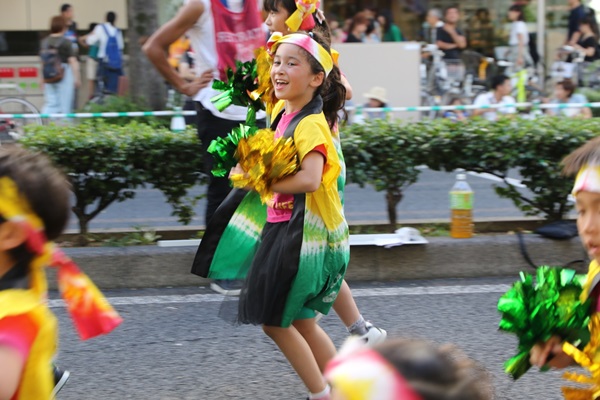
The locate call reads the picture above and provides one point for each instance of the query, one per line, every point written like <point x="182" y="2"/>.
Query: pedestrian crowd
<point x="60" y="57"/>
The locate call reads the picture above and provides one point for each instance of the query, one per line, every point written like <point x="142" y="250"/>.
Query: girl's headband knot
<point x="302" y="18"/>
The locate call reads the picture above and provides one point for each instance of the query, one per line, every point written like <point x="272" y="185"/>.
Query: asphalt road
<point x="427" y="199"/>
<point x="173" y="344"/>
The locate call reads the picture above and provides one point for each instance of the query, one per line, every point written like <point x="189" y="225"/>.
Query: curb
<point x="481" y="256"/>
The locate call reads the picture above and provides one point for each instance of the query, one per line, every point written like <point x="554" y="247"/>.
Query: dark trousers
<point x="211" y="127"/>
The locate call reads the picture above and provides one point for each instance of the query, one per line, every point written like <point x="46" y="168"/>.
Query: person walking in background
<point x="91" y="63"/>
<point x="110" y="52"/>
<point x="500" y="94"/>
<point x="480" y="33"/>
<point x="66" y="11"/>
<point x="210" y="25"/>
<point x="450" y="39"/>
<point x="588" y="39"/>
<point x="390" y="31"/>
<point x="358" y="28"/>
<point x="433" y="21"/>
<point x="518" y="40"/>
<point x="58" y="57"/>
<point x="576" y="14"/>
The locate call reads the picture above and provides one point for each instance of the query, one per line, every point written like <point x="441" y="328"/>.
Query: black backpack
<point x="52" y="68"/>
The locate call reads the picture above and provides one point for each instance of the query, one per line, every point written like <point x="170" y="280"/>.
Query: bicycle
<point x="12" y="129"/>
<point x="571" y="64"/>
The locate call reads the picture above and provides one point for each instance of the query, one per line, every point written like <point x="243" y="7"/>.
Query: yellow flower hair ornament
<point x="89" y="309"/>
<point x="302" y="18"/>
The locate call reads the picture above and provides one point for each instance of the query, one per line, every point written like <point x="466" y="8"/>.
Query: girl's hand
<point x="550" y="353"/>
<point x="237" y="170"/>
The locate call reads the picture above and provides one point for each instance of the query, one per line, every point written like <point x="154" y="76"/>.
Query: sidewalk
<point x="485" y="255"/>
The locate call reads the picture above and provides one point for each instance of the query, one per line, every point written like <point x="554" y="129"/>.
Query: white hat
<point x="376" y="93"/>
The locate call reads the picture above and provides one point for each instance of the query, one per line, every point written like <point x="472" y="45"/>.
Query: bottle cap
<point x="461" y="177"/>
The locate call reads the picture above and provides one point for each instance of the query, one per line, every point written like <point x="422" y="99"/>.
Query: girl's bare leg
<point x="319" y="342"/>
<point x="299" y="354"/>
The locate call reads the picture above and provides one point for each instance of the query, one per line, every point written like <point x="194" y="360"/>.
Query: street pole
<point x="541" y="40"/>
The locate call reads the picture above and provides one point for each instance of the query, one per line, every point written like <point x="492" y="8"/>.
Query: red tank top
<point x="237" y="35"/>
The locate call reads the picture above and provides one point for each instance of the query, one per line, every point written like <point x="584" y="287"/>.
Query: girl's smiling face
<point x="588" y="222"/>
<point x="293" y="77"/>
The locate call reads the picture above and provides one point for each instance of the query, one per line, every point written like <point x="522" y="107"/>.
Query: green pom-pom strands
<point x="236" y="91"/>
<point x="534" y="312"/>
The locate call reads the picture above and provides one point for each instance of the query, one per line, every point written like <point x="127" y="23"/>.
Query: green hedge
<point x="385" y="154"/>
<point x="106" y="162"/>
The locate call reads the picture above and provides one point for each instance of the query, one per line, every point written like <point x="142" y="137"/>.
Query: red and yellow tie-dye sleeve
<point x="18" y="332"/>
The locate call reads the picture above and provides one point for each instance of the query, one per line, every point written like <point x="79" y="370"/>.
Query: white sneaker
<point x="374" y="335"/>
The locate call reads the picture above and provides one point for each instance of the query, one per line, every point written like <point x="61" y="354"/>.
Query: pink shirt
<point x="279" y="208"/>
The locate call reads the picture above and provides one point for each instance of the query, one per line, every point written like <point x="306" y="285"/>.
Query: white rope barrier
<point x="359" y="108"/>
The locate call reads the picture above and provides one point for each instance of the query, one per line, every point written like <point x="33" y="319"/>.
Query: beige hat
<point x="376" y="93"/>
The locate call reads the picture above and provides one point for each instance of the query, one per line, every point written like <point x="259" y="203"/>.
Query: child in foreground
<point x="406" y="369"/>
<point x="34" y="209"/>
<point x="585" y="162"/>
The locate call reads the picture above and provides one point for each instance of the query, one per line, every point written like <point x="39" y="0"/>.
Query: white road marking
<point x="371" y="292"/>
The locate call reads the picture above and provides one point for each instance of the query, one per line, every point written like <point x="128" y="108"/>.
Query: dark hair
<point x="57" y="24"/>
<point x="92" y="26"/>
<point x="587" y="154"/>
<point x="568" y="86"/>
<point x="519" y="9"/>
<point x="45" y="188"/>
<point x="65" y="7"/>
<point x="451" y="7"/>
<point x="498" y="80"/>
<point x="359" y="18"/>
<point x="111" y="17"/>
<point x="437" y="372"/>
<point x="591" y="22"/>
<point x="389" y="19"/>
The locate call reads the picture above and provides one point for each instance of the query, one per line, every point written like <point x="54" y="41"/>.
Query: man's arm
<point x="458" y="38"/>
<point x="157" y="46"/>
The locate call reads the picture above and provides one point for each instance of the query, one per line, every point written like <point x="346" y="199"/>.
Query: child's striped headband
<point x="587" y="180"/>
<point x="306" y="42"/>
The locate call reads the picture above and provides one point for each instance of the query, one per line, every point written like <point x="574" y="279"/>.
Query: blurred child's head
<point x="585" y="162"/>
<point x="280" y="10"/>
<point x="46" y="191"/>
<point x="303" y="68"/>
<point x="407" y="369"/>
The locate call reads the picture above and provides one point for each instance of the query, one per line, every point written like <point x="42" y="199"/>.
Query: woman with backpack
<point x="60" y="69"/>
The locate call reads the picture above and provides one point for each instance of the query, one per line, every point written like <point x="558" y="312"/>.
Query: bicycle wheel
<point x="14" y="128"/>
<point x="428" y="101"/>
